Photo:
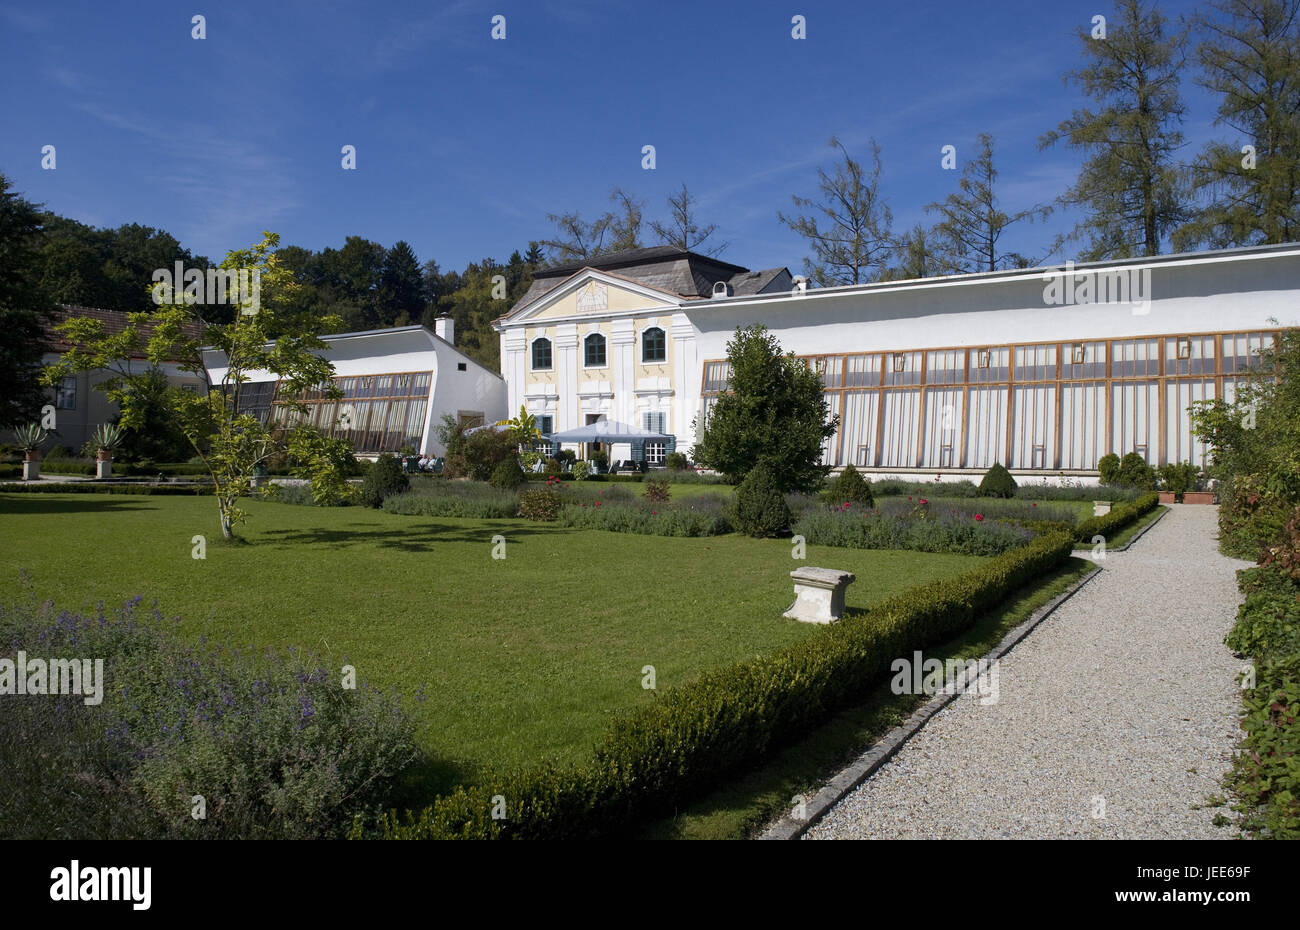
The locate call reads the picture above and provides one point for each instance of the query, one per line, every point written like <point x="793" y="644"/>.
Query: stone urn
<point x="104" y="463"/>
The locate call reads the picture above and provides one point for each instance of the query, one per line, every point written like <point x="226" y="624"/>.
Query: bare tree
<point x="682" y="230"/>
<point x="848" y="229"/>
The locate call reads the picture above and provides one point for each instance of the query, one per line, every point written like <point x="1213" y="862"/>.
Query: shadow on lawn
<point x="73" y="503"/>
<point x="412" y="539"/>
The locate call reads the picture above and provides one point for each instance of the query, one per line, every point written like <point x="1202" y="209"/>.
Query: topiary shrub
<point x="581" y="471"/>
<point x="508" y="475"/>
<point x="384" y="479"/>
<point x="1134" y="472"/>
<point x="677" y="462"/>
<point x="1108" y="468"/>
<point x="849" y="487"/>
<point x="997" y="483"/>
<point x="656" y="490"/>
<point x="760" y="508"/>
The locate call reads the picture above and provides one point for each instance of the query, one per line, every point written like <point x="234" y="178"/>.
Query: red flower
<point x="979" y="516"/>
<point x="597" y="503"/>
<point x="1034" y="504"/>
<point x="653" y="512"/>
<point x="909" y="497"/>
<point x="923" y="500"/>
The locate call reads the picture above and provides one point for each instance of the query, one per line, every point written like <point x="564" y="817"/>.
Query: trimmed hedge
<point x="98" y="487"/>
<point x="696" y="734"/>
<point x="1117" y="519"/>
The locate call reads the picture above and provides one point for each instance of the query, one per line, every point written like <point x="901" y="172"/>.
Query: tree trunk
<point x="227" y="528"/>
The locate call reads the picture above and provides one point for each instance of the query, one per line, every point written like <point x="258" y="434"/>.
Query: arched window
<point x="654" y="347"/>
<point x="593" y="351"/>
<point x="541" y="354"/>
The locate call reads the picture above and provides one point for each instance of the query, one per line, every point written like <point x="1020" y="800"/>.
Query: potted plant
<point x="30" y="437"/>
<point x="1197" y="492"/>
<point x="105" y="439"/>
<point x="600" y="459"/>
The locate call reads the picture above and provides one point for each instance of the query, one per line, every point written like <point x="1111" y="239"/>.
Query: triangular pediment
<point x="592" y="293"/>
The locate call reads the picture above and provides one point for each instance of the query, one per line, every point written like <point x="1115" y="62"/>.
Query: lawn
<point x="521" y="658"/>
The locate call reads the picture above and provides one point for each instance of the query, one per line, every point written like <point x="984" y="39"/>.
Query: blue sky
<point x="464" y="144"/>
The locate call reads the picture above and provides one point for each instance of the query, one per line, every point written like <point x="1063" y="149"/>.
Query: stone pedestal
<point x="1100" y="508"/>
<point x="103" y="468"/>
<point x="31" y="469"/>
<point x="819" y="594"/>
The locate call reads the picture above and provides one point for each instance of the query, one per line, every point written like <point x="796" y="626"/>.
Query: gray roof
<point x="666" y="268"/>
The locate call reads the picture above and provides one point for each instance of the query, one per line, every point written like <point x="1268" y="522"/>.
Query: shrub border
<point x="1117" y="519"/>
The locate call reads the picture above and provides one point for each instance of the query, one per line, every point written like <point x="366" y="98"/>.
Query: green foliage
<point x="700" y="516"/>
<point x="997" y="482"/>
<point x="88" y="487"/>
<point x="275" y="745"/>
<point x="1179" y="478"/>
<point x="383" y="481"/>
<point x="149" y="428"/>
<point x="1119" y="517"/>
<point x="599" y="458"/>
<point x="1134" y="472"/>
<point x="696" y="735"/>
<point x="581" y="471"/>
<point x="1266" y="771"/>
<point x="1130" y="182"/>
<point x="269" y="333"/>
<point x="30" y="437"/>
<point x="1108" y="468"/>
<point x="541" y="504"/>
<point x="566" y="457"/>
<point x="508" y="475"/>
<point x="849" y="487"/>
<point x="106" y="436"/>
<point x="26" y="304"/>
<point x="774" y="414"/>
<point x="759" y="508"/>
<point x="434" y="497"/>
<point x="676" y="461"/>
<point x="523" y="430"/>
<point x="484" y="450"/>
<point x="961" y="534"/>
<point x="657" y="491"/>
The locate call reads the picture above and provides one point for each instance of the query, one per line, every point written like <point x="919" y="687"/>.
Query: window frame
<point x="663" y="346"/>
<point x="604" y="350"/>
<point x="62" y="391"/>
<point x="532" y="354"/>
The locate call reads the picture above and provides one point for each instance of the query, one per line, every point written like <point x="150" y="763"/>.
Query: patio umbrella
<point x="606" y="431"/>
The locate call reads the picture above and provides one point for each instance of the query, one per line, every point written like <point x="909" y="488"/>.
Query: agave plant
<point x="106" y="437"/>
<point x="30" y="437"/>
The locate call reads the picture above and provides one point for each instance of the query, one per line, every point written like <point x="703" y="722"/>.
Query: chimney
<point x="445" y="327"/>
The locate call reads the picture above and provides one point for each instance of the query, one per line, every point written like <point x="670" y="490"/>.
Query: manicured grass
<point x="521" y="659"/>
<point x="745" y="806"/>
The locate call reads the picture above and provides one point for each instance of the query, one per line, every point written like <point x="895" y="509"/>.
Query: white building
<point x="397" y="384"/>
<point x="1044" y="370"/>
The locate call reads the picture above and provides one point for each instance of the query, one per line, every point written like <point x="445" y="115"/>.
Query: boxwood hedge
<point x="1117" y="519"/>
<point x="696" y="734"/>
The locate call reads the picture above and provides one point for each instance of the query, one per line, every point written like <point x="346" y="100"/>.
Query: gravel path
<point x="1125" y="693"/>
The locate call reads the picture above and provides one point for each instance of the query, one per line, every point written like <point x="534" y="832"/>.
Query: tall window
<point x="654" y="347"/>
<point x="65" y="398"/>
<point x="656" y="451"/>
<point x="593" y="351"/>
<point x="541" y="354"/>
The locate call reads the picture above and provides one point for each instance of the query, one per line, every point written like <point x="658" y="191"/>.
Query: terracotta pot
<point x="32" y="455"/>
<point x="1198" y="497"/>
<point x="104" y="455"/>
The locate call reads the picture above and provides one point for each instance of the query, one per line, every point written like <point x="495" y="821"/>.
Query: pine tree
<point x="1251" y="59"/>
<point x="1130" y="184"/>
